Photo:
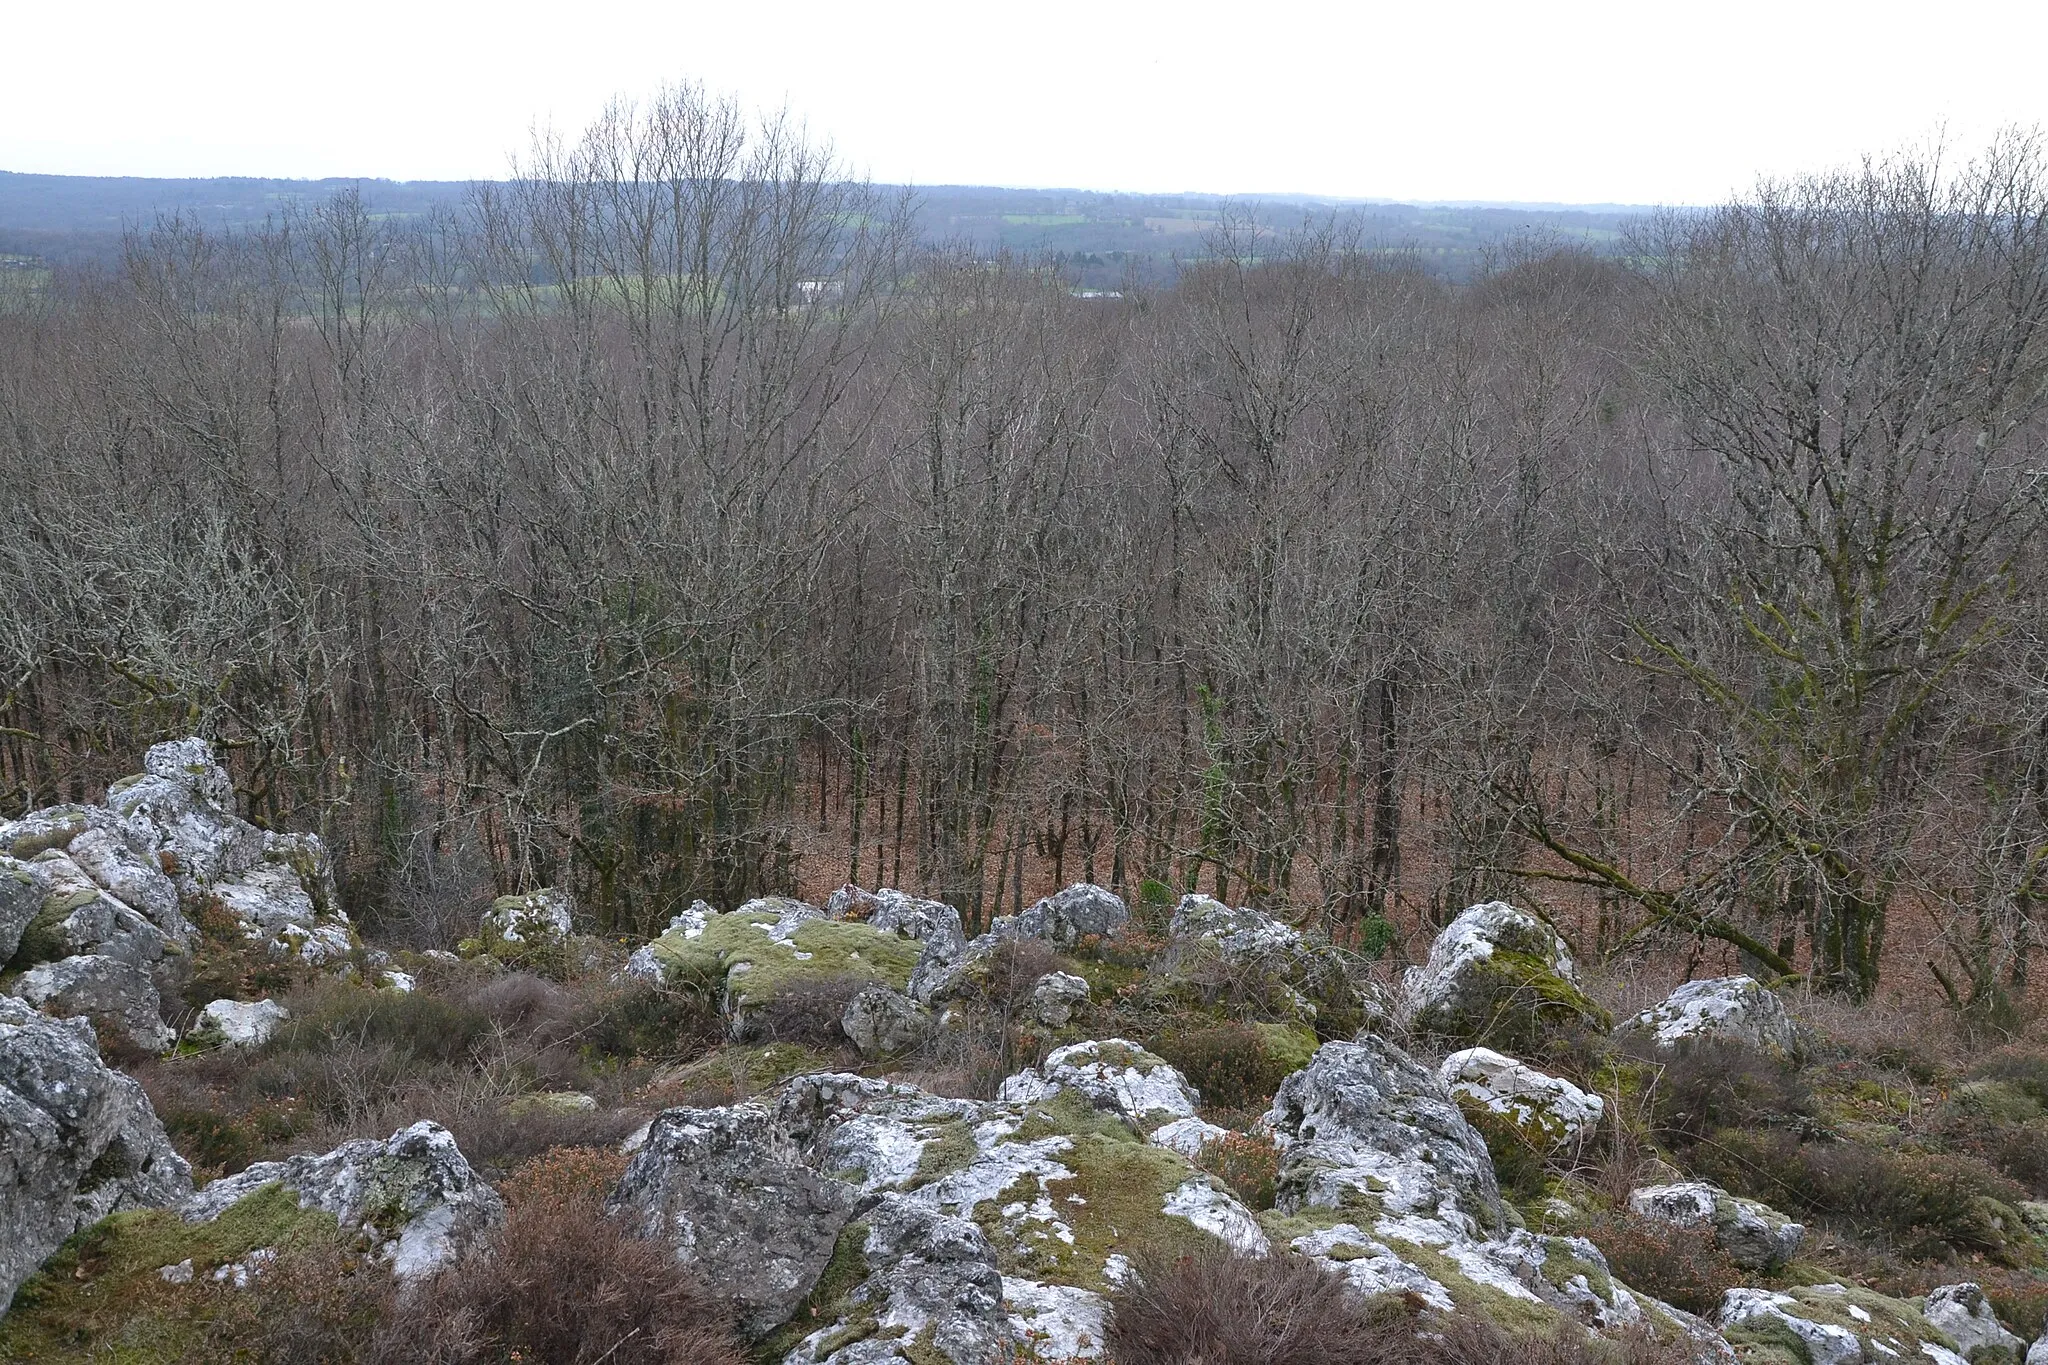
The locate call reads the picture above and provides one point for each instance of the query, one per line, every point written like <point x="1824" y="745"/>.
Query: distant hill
<point x="1101" y="236"/>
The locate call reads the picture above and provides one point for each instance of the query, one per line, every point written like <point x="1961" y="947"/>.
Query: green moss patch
<point x="736" y="1072"/>
<point x="44" y="939"/>
<point x="1114" y="1202"/>
<point x="1068" y="1113"/>
<point x="53" y="828"/>
<point x="951" y="1149"/>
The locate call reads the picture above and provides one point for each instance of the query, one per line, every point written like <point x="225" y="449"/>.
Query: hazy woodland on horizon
<point x="1101" y="238"/>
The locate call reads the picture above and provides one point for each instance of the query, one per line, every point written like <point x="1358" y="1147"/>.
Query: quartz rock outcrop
<point x="111" y="990"/>
<point x="1963" y="1314"/>
<point x="98" y="904"/>
<point x="536" y="917"/>
<point x="954" y="1227"/>
<point x="413" y="1195"/>
<point x="1833" y="1324"/>
<point x="1400" y="1196"/>
<point x="78" y="1141"/>
<point x="1206" y="935"/>
<point x="1083" y="910"/>
<point x="1738" y="1010"/>
<point x="1056" y="997"/>
<point x="232" y="1023"/>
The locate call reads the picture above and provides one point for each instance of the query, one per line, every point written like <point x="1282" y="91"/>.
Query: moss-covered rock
<point x="1829" y="1323"/>
<point x="1244" y="958"/>
<point x="133" y="1287"/>
<point x="762" y="949"/>
<point x="1500" y="977"/>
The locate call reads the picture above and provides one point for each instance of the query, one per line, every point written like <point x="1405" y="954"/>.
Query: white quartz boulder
<point x="1547" y="1110"/>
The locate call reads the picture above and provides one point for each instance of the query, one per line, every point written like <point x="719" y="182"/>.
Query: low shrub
<point x="564" y="1284"/>
<point x="1136" y="947"/>
<point x="222" y="1142"/>
<point x="496" y="1139"/>
<point x="559" y="1283"/>
<point x="419" y="1024"/>
<point x="1221" y="1309"/>
<point x="227" y="963"/>
<point x="1714" y="1087"/>
<point x="318" y="1303"/>
<point x="1922" y="1204"/>
<point x="1234" y="1066"/>
<point x="1247" y="1162"/>
<point x="639" y="1019"/>
<point x="1674" y="1264"/>
<point x="806" y="1011"/>
<point x="2021" y="1155"/>
<point x="1012" y="972"/>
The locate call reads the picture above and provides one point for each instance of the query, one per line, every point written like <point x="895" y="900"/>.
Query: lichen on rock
<point x="1545" y="1111"/>
<point x="1829" y="1324"/>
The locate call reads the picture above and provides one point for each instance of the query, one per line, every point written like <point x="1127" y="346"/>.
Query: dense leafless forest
<point x="669" y="523"/>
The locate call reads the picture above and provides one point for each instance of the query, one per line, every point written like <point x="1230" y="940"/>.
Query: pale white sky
<point x="1573" y="101"/>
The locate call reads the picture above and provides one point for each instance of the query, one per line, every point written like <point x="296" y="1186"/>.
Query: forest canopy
<point x="669" y="522"/>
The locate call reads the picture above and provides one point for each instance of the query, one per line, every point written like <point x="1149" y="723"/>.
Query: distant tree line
<point x="669" y="504"/>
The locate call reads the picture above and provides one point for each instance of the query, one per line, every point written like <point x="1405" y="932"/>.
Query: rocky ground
<point x="850" y="1133"/>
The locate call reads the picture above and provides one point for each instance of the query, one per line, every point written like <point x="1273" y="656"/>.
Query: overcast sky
<point x="1581" y="101"/>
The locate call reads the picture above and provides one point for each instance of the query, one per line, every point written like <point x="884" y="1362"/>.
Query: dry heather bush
<point x="1247" y="1162"/>
<point x="1014" y="969"/>
<point x="1230" y="1064"/>
<point x="1707" y="1089"/>
<point x="1905" y="1033"/>
<point x="495" y="1139"/>
<point x="424" y="1026"/>
<point x="355" y="1062"/>
<point x="560" y="1284"/>
<point x="1919" y="1204"/>
<point x="807" y="1011"/>
<point x="1221" y="1309"/>
<point x="318" y="1303"/>
<point x="1674" y="1264"/>
<point x="564" y="1284"/>
<point x="1230" y="1310"/>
